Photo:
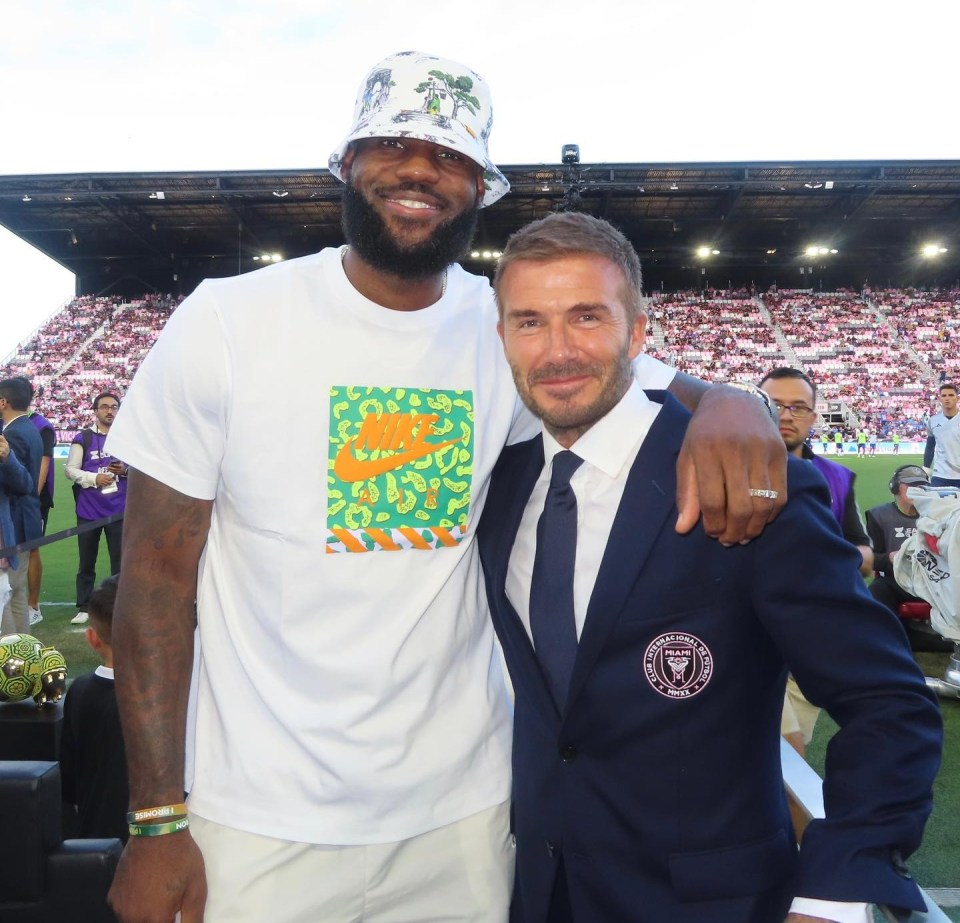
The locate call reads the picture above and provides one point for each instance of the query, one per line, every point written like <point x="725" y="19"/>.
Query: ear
<point x="481" y="188"/>
<point x="500" y="330"/>
<point x="346" y="164"/>
<point x="638" y="336"/>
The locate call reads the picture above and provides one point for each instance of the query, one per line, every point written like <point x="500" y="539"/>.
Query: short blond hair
<point x="575" y="234"/>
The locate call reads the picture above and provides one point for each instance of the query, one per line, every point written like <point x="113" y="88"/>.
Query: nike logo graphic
<point x="388" y="432"/>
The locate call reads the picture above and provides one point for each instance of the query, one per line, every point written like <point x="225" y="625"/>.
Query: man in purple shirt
<point x="100" y="488"/>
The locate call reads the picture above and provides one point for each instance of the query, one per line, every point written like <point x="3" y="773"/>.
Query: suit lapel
<point x="520" y="477"/>
<point x="648" y="498"/>
<point x="514" y="484"/>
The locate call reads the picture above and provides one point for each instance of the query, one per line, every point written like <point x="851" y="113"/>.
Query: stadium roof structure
<point x="694" y="224"/>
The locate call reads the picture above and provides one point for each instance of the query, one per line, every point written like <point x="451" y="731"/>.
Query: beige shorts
<point x="461" y="873"/>
<point x="798" y="714"/>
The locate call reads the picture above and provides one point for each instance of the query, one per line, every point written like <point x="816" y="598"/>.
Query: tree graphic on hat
<point x="458" y="87"/>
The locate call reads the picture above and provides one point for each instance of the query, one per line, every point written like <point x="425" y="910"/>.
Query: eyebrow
<point x="577" y="308"/>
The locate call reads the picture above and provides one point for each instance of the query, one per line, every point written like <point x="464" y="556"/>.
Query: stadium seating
<point x="879" y="352"/>
<point x="44" y="878"/>
<point x="94" y="344"/>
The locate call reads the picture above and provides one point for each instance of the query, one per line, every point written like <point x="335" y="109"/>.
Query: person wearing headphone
<point x="889" y="525"/>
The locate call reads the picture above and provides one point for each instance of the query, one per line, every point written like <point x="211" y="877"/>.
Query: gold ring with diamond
<point x="761" y="492"/>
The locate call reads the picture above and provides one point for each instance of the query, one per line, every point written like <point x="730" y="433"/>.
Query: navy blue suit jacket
<point x="15" y="481"/>
<point x="660" y="785"/>
<point x="26" y="443"/>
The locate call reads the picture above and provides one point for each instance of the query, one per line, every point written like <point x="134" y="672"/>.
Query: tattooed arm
<point x="163" y="535"/>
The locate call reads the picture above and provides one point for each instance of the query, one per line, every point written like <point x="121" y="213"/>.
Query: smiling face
<point x="569" y="338"/>
<point x="409" y="207"/>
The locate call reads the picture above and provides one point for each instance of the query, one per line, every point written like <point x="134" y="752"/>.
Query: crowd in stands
<point x="94" y="344"/>
<point x="851" y="349"/>
<point x="929" y="322"/>
<point x="715" y="338"/>
<point x="880" y="353"/>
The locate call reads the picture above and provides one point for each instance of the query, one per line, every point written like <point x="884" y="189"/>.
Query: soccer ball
<point x="27" y="668"/>
<point x="19" y="666"/>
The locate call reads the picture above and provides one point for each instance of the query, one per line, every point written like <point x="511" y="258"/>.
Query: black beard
<point x="369" y="235"/>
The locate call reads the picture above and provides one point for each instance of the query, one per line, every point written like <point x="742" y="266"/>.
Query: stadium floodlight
<point x="276" y="257"/>
<point x="497" y="254"/>
<point x="819" y="250"/>
<point x="932" y="250"/>
<point x="706" y="252"/>
<point x="475" y="254"/>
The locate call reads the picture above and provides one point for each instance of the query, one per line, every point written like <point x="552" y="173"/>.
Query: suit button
<point x="551" y="849"/>
<point x="568" y="754"/>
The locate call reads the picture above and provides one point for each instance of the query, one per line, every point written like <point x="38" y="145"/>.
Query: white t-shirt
<point x="946" y="452"/>
<point x="348" y="690"/>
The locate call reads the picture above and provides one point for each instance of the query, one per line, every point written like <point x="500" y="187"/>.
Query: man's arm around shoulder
<point x="163" y="537"/>
<point x="731" y="447"/>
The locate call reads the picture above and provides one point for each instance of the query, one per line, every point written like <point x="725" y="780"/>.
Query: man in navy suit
<point x="25" y="443"/>
<point x="647" y="784"/>
<point x="14" y="482"/>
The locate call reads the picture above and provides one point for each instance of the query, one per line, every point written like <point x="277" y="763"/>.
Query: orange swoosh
<point x="349" y="468"/>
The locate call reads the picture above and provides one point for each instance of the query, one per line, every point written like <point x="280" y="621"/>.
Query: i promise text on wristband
<point x="173" y="826"/>
<point x="164" y="810"/>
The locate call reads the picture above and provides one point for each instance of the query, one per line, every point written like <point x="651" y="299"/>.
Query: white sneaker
<point x="35" y="616"/>
<point x="80" y="619"/>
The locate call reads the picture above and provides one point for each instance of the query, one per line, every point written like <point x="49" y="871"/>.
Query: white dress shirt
<point x="609" y="449"/>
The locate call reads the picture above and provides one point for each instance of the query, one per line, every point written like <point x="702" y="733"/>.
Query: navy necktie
<point x="552" y="620"/>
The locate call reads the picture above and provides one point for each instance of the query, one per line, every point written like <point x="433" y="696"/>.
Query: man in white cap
<point x="352" y="732"/>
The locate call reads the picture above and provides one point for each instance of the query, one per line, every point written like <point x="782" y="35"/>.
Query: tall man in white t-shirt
<point x="352" y="735"/>
<point x="942" y="452"/>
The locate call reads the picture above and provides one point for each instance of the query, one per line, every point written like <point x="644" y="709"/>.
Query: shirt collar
<point x="105" y="672"/>
<point x="611" y="442"/>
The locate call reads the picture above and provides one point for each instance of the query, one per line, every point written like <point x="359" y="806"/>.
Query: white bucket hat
<point x="414" y="95"/>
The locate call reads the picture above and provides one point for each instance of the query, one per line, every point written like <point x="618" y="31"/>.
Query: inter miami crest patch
<point x="678" y="665"/>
